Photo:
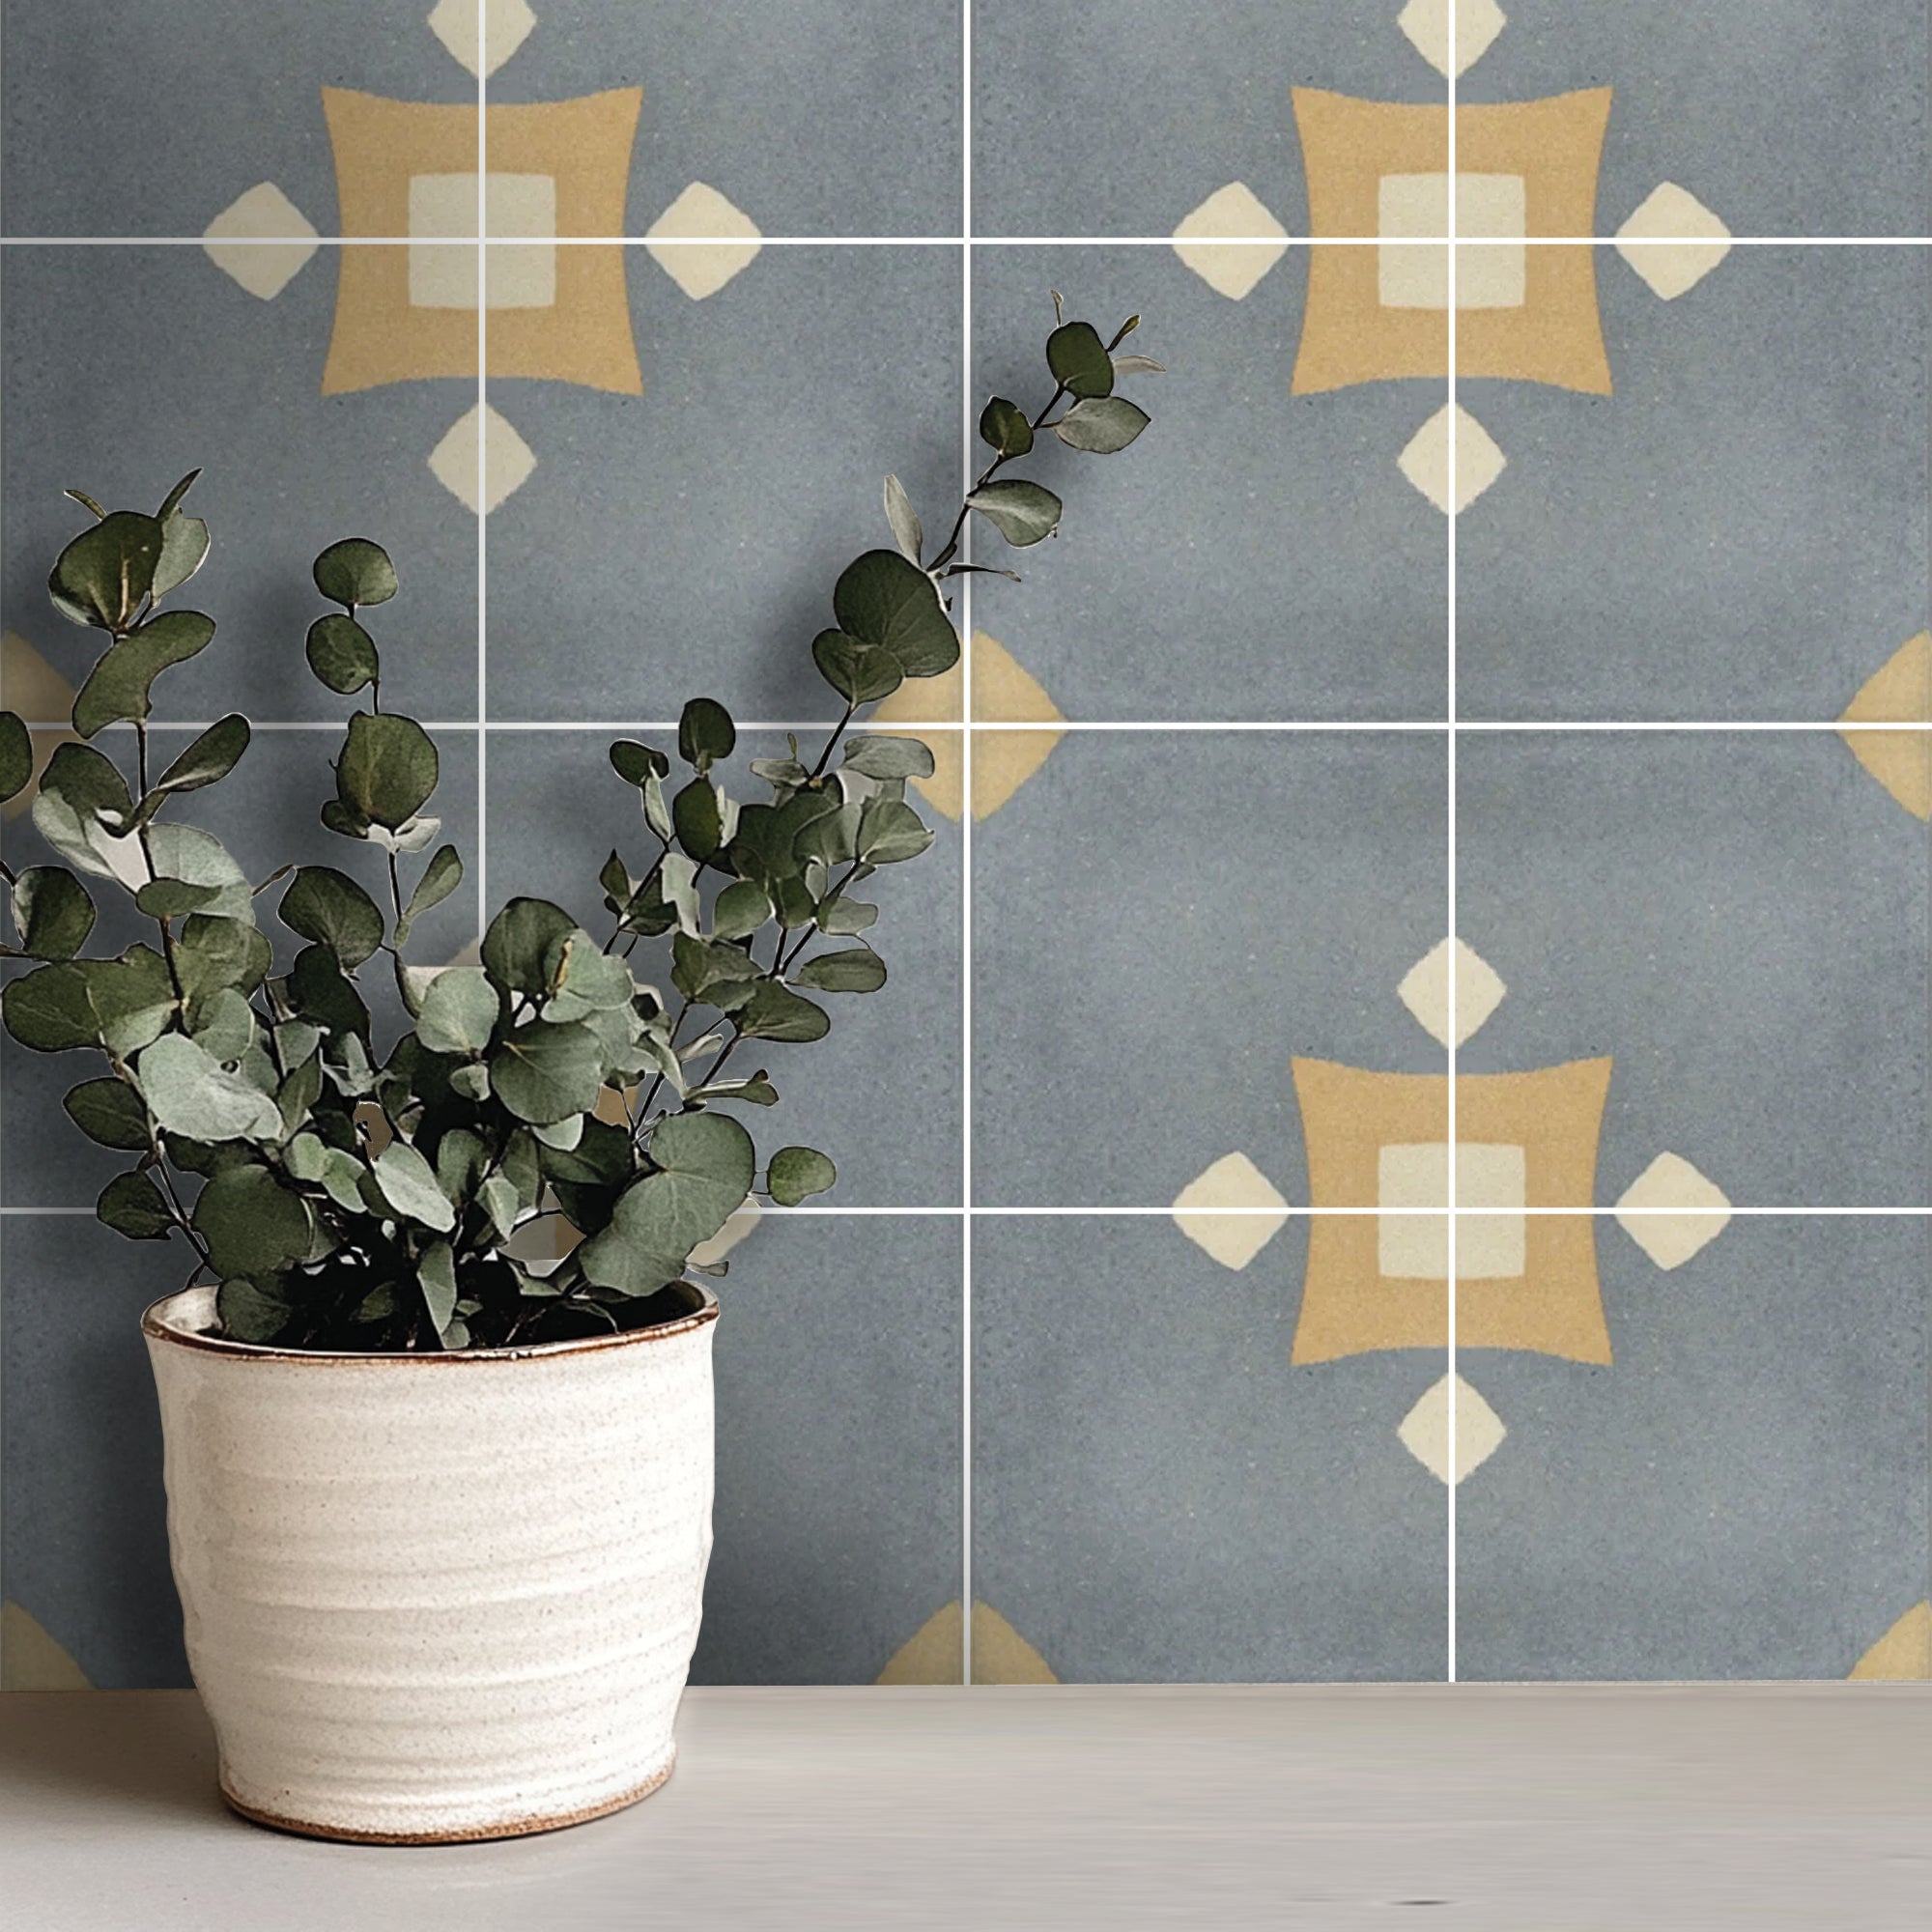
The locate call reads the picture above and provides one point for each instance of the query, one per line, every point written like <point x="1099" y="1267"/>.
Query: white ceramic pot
<point x="438" y="1597"/>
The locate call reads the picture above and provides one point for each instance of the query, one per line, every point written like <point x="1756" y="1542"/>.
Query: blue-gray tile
<point x="837" y="1516"/>
<point x="83" y="1517"/>
<point x="1162" y="921"/>
<point x="1159" y="1496"/>
<point x="1121" y="129"/>
<point x="127" y="367"/>
<point x="1254" y="554"/>
<point x="1741" y="1494"/>
<point x="687" y="539"/>
<point x="266" y="813"/>
<point x="814" y="117"/>
<point x="1740" y="921"/>
<point x="1783" y="117"/>
<point x="1741" y="531"/>
<point x="881" y="1094"/>
<point x="149" y="120"/>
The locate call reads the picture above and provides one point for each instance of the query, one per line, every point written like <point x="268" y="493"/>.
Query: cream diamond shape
<point x="482" y="34"/>
<point x="1478" y="460"/>
<point x="1425" y="1432"/>
<point x="1425" y="991"/>
<point x="1673" y="242"/>
<point x="262" y="242"/>
<point x="1452" y="35"/>
<point x="701" y="267"/>
<point x="1205" y="241"/>
<point x="1233" y="1239"/>
<point x="1686" y="1211"/>
<point x="507" y="459"/>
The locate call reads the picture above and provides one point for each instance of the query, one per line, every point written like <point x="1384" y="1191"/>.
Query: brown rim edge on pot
<point x="511" y="1827"/>
<point x="152" y="1325"/>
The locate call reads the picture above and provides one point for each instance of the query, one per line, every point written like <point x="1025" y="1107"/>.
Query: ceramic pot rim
<point x="161" y="1321"/>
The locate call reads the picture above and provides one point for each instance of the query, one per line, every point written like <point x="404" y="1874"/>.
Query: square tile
<point x="881" y="1093"/>
<point x="839" y="1443"/>
<point x="266" y="815"/>
<point x="1741" y="1493"/>
<point x="685" y="536"/>
<point x="1262" y="551"/>
<point x="1737" y="526"/>
<point x="1734" y="927"/>
<point x="1168" y="929"/>
<point x="152" y="121"/>
<point x="1147" y="121"/>
<point x="1784" y="117"/>
<point x="812" y="117"/>
<point x="127" y="367"/>
<point x="1159" y="1495"/>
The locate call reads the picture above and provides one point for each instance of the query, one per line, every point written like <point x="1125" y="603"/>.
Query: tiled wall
<point x="1565" y="591"/>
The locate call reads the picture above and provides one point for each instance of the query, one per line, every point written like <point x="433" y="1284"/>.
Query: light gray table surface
<point x="1517" y="1809"/>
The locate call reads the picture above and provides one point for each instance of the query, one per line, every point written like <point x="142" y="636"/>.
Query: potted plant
<point x="439" y="1515"/>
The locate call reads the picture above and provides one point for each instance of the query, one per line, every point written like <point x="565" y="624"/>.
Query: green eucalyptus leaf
<point x="356" y="572"/>
<point x="441" y="877"/>
<point x="331" y="909"/>
<point x="677" y="880"/>
<point x="843" y="918"/>
<point x="1005" y="426"/>
<point x="460" y="1010"/>
<point x="251" y="1223"/>
<point x="52" y="911"/>
<point x="190" y="1091"/>
<point x="889" y="757"/>
<point x="471" y="1081"/>
<point x="798" y="1172"/>
<point x="776" y="1012"/>
<point x="562" y="1135"/>
<point x="861" y="674"/>
<point x="297" y="1096"/>
<point x="903" y="519"/>
<point x="210" y="951"/>
<point x="657" y="813"/>
<point x="110" y="1112"/>
<point x="223" y="1025"/>
<point x="1079" y="359"/>
<point x="517" y="948"/>
<point x="830" y="837"/>
<point x="583" y="979"/>
<point x="859" y="970"/>
<point x="1102" y="424"/>
<point x="890" y="831"/>
<point x="174" y="898"/>
<point x="408" y="1183"/>
<point x="132" y="1205"/>
<point x="1022" y="512"/>
<point x="1138" y="365"/>
<point x="212" y="755"/>
<point x="104" y="575"/>
<point x="121" y="684"/>
<point x="542" y="1073"/>
<point x="884" y="601"/>
<point x="48" y="1009"/>
<point x="740" y="910"/>
<point x="186" y="853"/>
<point x="706" y="1165"/>
<point x="318" y="991"/>
<point x="757" y="1090"/>
<point x="436" y="1270"/>
<point x="702" y="966"/>
<point x="388" y="770"/>
<point x="83" y="811"/>
<point x="132" y="998"/>
<point x="342" y="654"/>
<point x="250" y="1313"/>
<point x="16" y="756"/>
<point x="499" y="1200"/>
<point x="634" y="762"/>
<point x="616" y="880"/>
<point x="183" y="550"/>
<point x="697" y="819"/>
<point x="705" y="733"/>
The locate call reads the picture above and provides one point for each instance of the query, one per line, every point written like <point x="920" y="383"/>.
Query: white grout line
<point x="482" y="885"/>
<point x="965" y="583"/>
<point x="1452" y="1486"/>
<point x="955" y="241"/>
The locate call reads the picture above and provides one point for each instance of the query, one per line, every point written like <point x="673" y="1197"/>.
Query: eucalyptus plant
<point x="345" y="1195"/>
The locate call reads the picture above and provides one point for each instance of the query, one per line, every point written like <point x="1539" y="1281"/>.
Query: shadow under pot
<point x="440" y="1597"/>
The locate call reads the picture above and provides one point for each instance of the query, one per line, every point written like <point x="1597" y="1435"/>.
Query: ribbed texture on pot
<point x="437" y="1598"/>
